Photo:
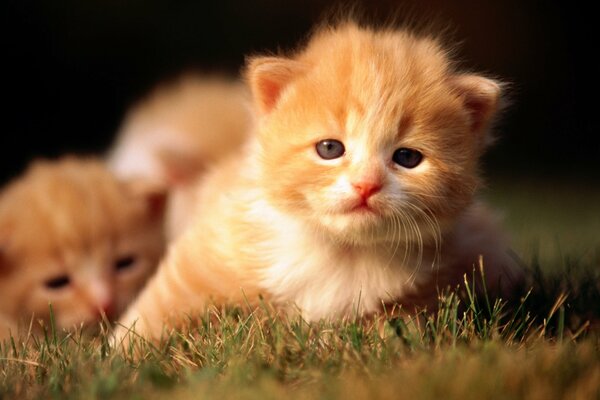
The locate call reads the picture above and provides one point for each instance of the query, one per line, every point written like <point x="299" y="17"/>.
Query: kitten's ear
<point x="481" y="97"/>
<point x="152" y="194"/>
<point x="179" y="168"/>
<point x="4" y="265"/>
<point x="268" y="77"/>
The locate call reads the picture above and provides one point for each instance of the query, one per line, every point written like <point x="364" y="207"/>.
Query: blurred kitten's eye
<point x="408" y="158"/>
<point x="329" y="149"/>
<point x="58" y="282"/>
<point x="124" y="263"/>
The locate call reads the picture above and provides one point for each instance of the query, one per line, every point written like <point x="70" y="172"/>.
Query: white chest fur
<point x="326" y="279"/>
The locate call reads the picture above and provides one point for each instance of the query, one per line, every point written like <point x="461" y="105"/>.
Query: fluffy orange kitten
<point x="357" y="191"/>
<point x="172" y="136"/>
<point x="73" y="236"/>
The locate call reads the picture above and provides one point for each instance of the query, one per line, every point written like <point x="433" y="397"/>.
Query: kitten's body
<point x="302" y="230"/>
<point x="74" y="236"/>
<point x="173" y="135"/>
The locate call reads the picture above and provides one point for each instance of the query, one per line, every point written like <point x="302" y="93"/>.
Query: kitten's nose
<point x="367" y="188"/>
<point x="107" y="308"/>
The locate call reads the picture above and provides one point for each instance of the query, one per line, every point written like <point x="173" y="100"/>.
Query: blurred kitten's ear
<point x="152" y="194"/>
<point x="268" y="77"/>
<point x="481" y="98"/>
<point x="4" y="265"/>
<point x="2" y="259"/>
<point x="180" y="168"/>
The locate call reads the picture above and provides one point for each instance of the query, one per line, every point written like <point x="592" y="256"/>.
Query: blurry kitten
<point x="358" y="191"/>
<point x="73" y="236"/>
<point x="177" y="132"/>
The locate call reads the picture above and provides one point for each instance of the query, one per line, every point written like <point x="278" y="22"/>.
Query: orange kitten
<point x="180" y="129"/>
<point x="73" y="236"/>
<point x="358" y="190"/>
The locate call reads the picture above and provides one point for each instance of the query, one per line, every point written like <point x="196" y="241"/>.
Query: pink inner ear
<point x="3" y="244"/>
<point x="479" y="110"/>
<point x="269" y="93"/>
<point x="268" y="77"/>
<point x="480" y="96"/>
<point x="157" y="202"/>
<point x="179" y="169"/>
<point x="152" y="195"/>
<point x="3" y="261"/>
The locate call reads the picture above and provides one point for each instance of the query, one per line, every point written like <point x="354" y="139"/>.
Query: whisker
<point x="431" y="220"/>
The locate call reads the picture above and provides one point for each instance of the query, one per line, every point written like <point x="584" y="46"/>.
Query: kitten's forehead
<point x="71" y="205"/>
<point x="376" y="82"/>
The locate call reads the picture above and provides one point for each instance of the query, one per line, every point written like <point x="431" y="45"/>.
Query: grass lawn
<point x="546" y="347"/>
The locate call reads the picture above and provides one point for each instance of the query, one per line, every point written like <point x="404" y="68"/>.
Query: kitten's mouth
<point x="362" y="207"/>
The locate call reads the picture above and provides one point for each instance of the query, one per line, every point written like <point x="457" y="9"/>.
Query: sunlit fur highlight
<point x="72" y="218"/>
<point x="278" y="220"/>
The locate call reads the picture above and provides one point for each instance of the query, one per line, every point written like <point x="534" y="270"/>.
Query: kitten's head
<point x="73" y="236"/>
<point x="371" y="135"/>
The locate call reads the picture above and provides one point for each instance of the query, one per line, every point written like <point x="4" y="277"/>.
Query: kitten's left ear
<point x="481" y="97"/>
<point x="4" y="265"/>
<point x="269" y="76"/>
<point x="2" y="259"/>
<point x="153" y="195"/>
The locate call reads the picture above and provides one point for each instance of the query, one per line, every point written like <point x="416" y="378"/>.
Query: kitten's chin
<point x="361" y="226"/>
<point x="365" y="227"/>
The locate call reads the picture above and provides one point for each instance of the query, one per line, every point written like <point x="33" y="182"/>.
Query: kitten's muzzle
<point x="366" y="189"/>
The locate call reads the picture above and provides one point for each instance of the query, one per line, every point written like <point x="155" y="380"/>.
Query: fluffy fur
<point x="173" y="135"/>
<point x="278" y="220"/>
<point x="73" y="236"/>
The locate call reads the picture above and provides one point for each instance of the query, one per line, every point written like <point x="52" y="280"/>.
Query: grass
<point x="545" y="346"/>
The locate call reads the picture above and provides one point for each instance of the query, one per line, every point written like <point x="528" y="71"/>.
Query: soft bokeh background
<point x="73" y="67"/>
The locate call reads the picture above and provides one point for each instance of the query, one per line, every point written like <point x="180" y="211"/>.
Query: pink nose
<point x="108" y="308"/>
<point x="367" y="188"/>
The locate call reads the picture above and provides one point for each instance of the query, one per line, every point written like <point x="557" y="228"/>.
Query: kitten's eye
<point x="124" y="263"/>
<point x="329" y="149"/>
<point x="408" y="158"/>
<point x="58" y="283"/>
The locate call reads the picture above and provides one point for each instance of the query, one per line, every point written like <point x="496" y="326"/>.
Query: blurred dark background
<point x="73" y="67"/>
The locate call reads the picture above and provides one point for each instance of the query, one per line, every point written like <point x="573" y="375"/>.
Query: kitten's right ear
<point x="269" y="76"/>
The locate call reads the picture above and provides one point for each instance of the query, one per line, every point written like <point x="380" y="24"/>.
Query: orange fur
<point x="71" y="219"/>
<point x="172" y="136"/>
<point x="279" y="220"/>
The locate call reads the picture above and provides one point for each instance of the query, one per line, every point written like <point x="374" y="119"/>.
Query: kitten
<point x="74" y="236"/>
<point x="358" y="190"/>
<point x="172" y="136"/>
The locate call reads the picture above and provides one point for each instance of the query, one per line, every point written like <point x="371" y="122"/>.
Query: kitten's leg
<point x="189" y="277"/>
<point x="479" y="242"/>
<point x="476" y="252"/>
